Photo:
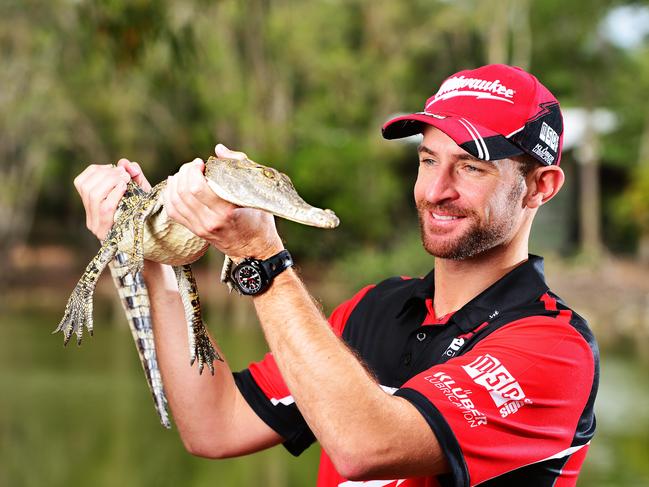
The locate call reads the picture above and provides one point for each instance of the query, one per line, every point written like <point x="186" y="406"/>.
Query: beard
<point x="478" y="238"/>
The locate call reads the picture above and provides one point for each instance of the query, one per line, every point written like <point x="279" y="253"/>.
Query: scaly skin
<point x="142" y="230"/>
<point x="200" y="346"/>
<point x="135" y="301"/>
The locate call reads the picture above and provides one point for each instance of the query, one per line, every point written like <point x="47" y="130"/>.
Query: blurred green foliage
<point x="303" y="86"/>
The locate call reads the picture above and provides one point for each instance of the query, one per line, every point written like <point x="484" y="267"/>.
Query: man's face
<point x="466" y="206"/>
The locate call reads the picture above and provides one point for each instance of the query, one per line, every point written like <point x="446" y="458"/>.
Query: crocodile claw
<point x="78" y="313"/>
<point x="205" y="353"/>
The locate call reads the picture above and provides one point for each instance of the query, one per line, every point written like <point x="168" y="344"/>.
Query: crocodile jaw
<point x="249" y="184"/>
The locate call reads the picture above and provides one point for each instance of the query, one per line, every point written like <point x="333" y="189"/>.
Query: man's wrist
<point x="261" y="252"/>
<point x="269" y="251"/>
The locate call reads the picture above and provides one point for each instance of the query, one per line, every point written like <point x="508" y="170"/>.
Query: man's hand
<point x="101" y="187"/>
<point x="235" y="231"/>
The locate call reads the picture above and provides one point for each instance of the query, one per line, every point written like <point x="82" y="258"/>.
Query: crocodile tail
<point x="135" y="301"/>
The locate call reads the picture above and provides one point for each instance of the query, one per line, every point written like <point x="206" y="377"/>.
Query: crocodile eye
<point x="269" y="174"/>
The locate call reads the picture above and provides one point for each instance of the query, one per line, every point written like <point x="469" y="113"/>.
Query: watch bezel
<point x="255" y="264"/>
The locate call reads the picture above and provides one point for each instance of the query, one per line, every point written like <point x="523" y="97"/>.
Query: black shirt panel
<point x="544" y="474"/>
<point x="286" y="420"/>
<point x="458" y="475"/>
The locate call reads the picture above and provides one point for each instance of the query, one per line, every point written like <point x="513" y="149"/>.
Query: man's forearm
<point x="192" y="397"/>
<point x="208" y="410"/>
<point x="352" y="417"/>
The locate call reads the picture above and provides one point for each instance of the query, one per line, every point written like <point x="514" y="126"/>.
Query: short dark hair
<point x="526" y="164"/>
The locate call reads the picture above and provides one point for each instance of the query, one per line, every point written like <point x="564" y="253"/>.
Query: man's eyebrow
<point x="459" y="157"/>
<point x="468" y="157"/>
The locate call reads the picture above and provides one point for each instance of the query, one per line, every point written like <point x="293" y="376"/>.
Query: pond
<point x="81" y="416"/>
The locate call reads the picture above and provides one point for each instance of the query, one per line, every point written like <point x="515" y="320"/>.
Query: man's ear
<point x="542" y="184"/>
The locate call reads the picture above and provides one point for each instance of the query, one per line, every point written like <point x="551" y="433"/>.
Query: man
<point x="475" y="374"/>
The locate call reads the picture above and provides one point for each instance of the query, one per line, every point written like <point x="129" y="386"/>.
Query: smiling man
<point x="474" y="374"/>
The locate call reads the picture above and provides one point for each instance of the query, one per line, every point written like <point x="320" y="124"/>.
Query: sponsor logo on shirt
<point x="459" y="397"/>
<point x="487" y="371"/>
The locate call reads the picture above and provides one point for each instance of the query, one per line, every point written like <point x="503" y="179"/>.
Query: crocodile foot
<point x="78" y="313"/>
<point x="204" y="352"/>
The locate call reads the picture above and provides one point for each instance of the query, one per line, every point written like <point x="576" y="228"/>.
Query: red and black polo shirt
<point x="507" y="383"/>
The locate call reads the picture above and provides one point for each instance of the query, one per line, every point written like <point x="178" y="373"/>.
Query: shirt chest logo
<point x="454" y="347"/>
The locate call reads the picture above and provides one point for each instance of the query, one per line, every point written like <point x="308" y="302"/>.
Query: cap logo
<point x="549" y="136"/>
<point x="479" y="88"/>
<point x="435" y="115"/>
<point x="543" y="153"/>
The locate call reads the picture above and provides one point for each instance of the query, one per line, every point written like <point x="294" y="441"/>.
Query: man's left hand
<point x="235" y="231"/>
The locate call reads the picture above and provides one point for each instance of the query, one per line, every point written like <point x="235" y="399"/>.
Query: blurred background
<point x="303" y="86"/>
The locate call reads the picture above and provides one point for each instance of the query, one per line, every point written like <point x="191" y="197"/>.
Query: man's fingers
<point x="199" y="163"/>
<point x="94" y="190"/>
<point x="192" y="186"/>
<point x="109" y="205"/>
<point x="106" y="209"/>
<point x="134" y="170"/>
<point x="174" y="205"/>
<point x="104" y="181"/>
<point x="200" y="190"/>
<point x="222" y="151"/>
<point x="86" y="180"/>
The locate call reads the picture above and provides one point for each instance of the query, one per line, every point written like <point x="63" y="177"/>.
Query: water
<point x="80" y="416"/>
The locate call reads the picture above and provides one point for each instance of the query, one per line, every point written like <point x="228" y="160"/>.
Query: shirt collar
<point x="523" y="284"/>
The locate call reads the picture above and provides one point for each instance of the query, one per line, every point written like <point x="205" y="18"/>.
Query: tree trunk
<point x="498" y="33"/>
<point x="590" y="201"/>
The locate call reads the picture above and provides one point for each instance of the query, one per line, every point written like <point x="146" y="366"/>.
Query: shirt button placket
<point x="407" y="358"/>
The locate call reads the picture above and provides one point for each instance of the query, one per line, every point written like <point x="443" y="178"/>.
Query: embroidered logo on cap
<point x="549" y="136"/>
<point x="480" y="88"/>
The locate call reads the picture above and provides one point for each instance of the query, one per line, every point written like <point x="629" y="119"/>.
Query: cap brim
<point x="477" y="140"/>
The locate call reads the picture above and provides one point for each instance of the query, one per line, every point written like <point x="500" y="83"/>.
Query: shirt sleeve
<point x="263" y="387"/>
<point x="515" y="399"/>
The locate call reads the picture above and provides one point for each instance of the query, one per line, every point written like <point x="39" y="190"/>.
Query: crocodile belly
<point x="166" y="241"/>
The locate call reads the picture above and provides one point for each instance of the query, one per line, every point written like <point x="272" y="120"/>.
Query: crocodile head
<point x="249" y="184"/>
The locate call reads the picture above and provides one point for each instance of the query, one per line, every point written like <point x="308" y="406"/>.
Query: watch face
<point x="248" y="278"/>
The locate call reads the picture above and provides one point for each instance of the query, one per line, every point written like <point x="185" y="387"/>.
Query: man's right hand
<point x="101" y="187"/>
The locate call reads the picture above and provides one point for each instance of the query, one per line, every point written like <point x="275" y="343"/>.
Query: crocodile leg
<point x="135" y="301"/>
<point x="78" y="310"/>
<point x="150" y="202"/>
<point x="228" y="263"/>
<point x="200" y="346"/>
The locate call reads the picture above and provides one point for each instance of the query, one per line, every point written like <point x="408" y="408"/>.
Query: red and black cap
<point x="492" y="112"/>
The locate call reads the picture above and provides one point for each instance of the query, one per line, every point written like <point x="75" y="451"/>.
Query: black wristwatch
<point x="252" y="277"/>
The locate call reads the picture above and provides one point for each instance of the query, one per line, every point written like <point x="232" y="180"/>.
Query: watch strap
<point x="277" y="264"/>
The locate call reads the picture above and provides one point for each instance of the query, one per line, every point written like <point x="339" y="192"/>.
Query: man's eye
<point x="427" y="161"/>
<point x="471" y="168"/>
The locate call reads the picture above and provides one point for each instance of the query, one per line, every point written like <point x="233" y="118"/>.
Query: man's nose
<point x="441" y="187"/>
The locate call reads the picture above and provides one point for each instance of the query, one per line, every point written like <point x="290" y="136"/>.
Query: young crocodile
<point x="142" y="230"/>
